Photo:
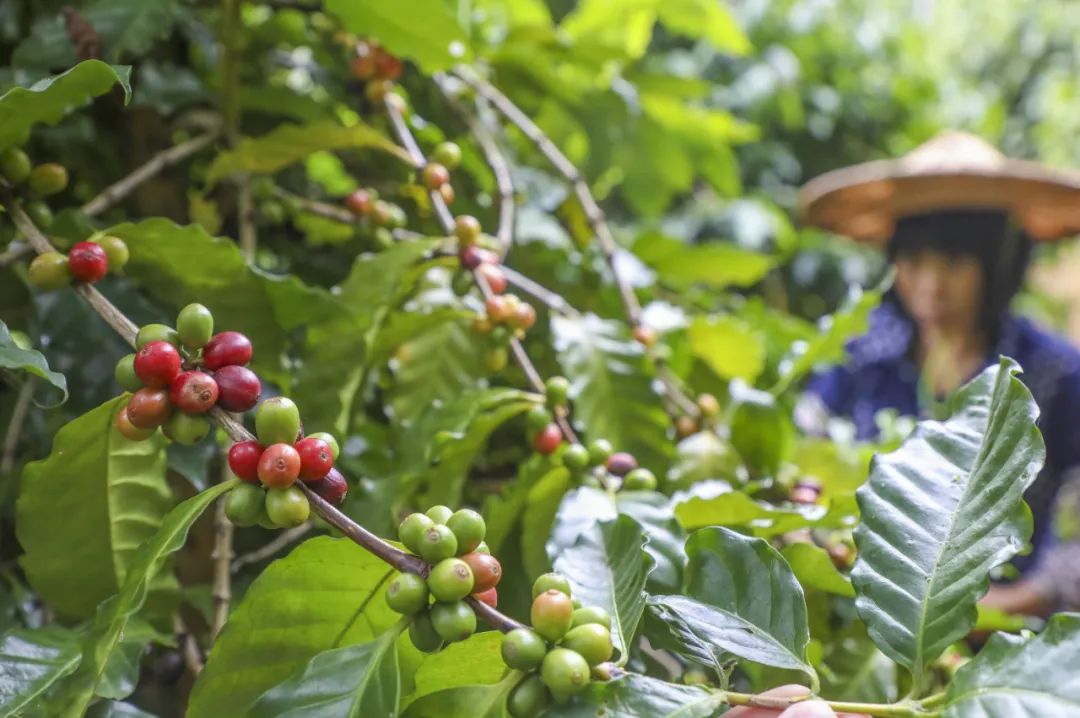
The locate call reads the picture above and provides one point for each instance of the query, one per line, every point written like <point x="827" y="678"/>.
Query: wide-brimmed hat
<point x="953" y="171"/>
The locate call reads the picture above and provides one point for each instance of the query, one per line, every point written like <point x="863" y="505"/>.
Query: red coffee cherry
<point x="331" y="487"/>
<point x="547" y="440"/>
<point x="316" y="458"/>
<point x="494" y="277"/>
<point x="193" y="392"/>
<point x="244" y="460"/>
<point x="279" y="466"/>
<point x="227" y="349"/>
<point x="360" y="202"/>
<point x="363" y="65"/>
<point x="490" y="597"/>
<point x="486" y="570"/>
<point x="434" y="175"/>
<point x="238" y="387"/>
<point x="88" y="262"/>
<point x="148" y="408"/>
<point x="157" y="364"/>
<point x="472" y="257"/>
<point x="387" y="66"/>
<point x="621" y="464"/>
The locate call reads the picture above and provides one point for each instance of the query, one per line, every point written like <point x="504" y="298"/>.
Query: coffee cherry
<point x="387" y="66"/>
<point x="316" y="458"/>
<point x="363" y="65"/>
<point x="547" y="441"/>
<point x="39" y="213"/>
<point x="245" y="505"/>
<point x="466" y="229"/>
<point x="523" y="649"/>
<point x="360" y="202"/>
<point x="447" y="193"/>
<point x="186" y="429"/>
<point x="422" y="634"/>
<point x="437" y="543"/>
<point x="287" y="507"/>
<point x="486" y="570"/>
<point x="238" y="388"/>
<point x="194" y="392"/>
<point x="528" y="698"/>
<point x="14" y="165"/>
<point x="377" y="91"/>
<point x="386" y="214"/>
<point x="591" y="614"/>
<point x="244" y="460"/>
<point x="407" y="594"/>
<point x="472" y="257"/>
<point x="450" y="580"/>
<point x="48" y="178"/>
<point x="805" y="492"/>
<point x="644" y="336"/>
<point x="129" y="430"/>
<point x="621" y="464"/>
<point x="564" y="672"/>
<point x="434" y="176"/>
<point x="332" y="488"/>
<point x="550" y="582"/>
<point x="524" y="317"/>
<point x="50" y="270"/>
<point x="685" y="426"/>
<point x="468" y="527"/>
<point x="494" y="277"/>
<point x="496" y="359"/>
<point x="329" y="440"/>
<point x="225" y="349"/>
<point x="277" y="421"/>
<point x="279" y="466"/>
<point x="482" y="548"/>
<point x="592" y="641"/>
<point x="841" y="555"/>
<point x="453" y="621"/>
<point x="125" y="374"/>
<point x="557" y="389"/>
<point x="88" y="262"/>
<point x="440" y="514"/>
<point x="537" y="418"/>
<point x="412" y="529"/>
<point x="552" y="612"/>
<point x="149" y="408"/>
<point x="157" y="364"/>
<point x="156" y="333"/>
<point x="447" y="154"/>
<point x="490" y="597"/>
<point x="116" y="250"/>
<point x="195" y="326"/>
<point x="639" y="480"/>
<point x="575" y="457"/>
<point x="708" y="405"/>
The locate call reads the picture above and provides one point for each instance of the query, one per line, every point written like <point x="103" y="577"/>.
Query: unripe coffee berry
<point x="482" y="548"/>
<point x="125" y="374"/>
<point x="447" y="154"/>
<point x="437" y="543"/>
<point x="245" y="505"/>
<point x="466" y="229"/>
<point x="551" y="614"/>
<point x="244" y="460"/>
<point x="279" y="466"/>
<point x="157" y="364"/>
<point x="453" y="621"/>
<point x="599" y="451"/>
<point x="47" y="179"/>
<point x="411" y="530"/>
<point x="489" y="597"/>
<point x="575" y="457"/>
<point x="194" y="392"/>
<point x="550" y="582"/>
<point x="447" y="193"/>
<point x="129" y="430"/>
<point x="50" y="270"/>
<point x="557" y="390"/>
<point x="621" y="464"/>
<point x="528" y="698"/>
<point x="592" y="641"/>
<point x="494" y="277"/>
<point x="287" y="507"/>
<point x="645" y="336"/>
<point x="434" y="175"/>
<point x="186" y="429"/>
<point x="330" y="441"/>
<point x="468" y="527"/>
<point x="360" y="202"/>
<point x="422" y="634"/>
<point x="523" y="649"/>
<point x="316" y="458"/>
<point x="708" y="405"/>
<point x="40" y="214"/>
<point x="238" y="388"/>
<point x="440" y="514"/>
<point x="486" y="570"/>
<point x="88" y="262"/>
<point x="277" y="421"/>
<point x="148" y="408"/>
<point x="450" y="580"/>
<point x="332" y="487"/>
<point x="195" y="326"/>
<point x="14" y="165"/>
<point x="564" y="672"/>
<point x="496" y="359"/>
<point x="591" y="614"/>
<point x="524" y="316"/>
<point x="639" y="480"/>
<point x="407" y="594"/>
<point x="537" y="418"/>
<point x="116" y="250"/>
<point x="548" y="439"/>
<point x="156" y="333"/>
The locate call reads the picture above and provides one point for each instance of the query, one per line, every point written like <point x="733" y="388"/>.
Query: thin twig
<point x="272" y="548"/>
<point x="18" y="419"/>
<point x="553" y="301"/>
<point x="321" y="209"/>
<point x="222" y="556"/>
<point x="189" y="648"/>
<point x="15" y="251"/>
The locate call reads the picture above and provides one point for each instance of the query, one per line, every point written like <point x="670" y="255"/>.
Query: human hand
<point x="806" y="709"/>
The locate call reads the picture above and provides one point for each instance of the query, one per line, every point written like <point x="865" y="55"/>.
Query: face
<point x="942" y="293"/>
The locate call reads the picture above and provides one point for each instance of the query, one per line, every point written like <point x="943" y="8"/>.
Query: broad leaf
<point x="940" y="512"/>
<point x="32" y="660"/>
<point x="736" y="509"/>
<point x="715" y="264"/>
<point x="12" y="356"/>
<point x="701" y="457"/>
<point x="814" y="569"/>
<point x="326" y="594"/>
<point x="470" y="701"/>
<point x="435" y="44"/>
<point x="543" y="514"/>
<point x="704" y="19"/>
<point x="635" y="696"/>
<point x="84" y="511"/>
<point x="1016" y="678"/>
<point x="50" y="99"/>
<point x="475" y="661"/>
<point x="728" y="346"/>
<point x="607" y="567"/>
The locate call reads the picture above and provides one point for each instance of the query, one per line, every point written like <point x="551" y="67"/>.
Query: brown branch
<point x="221" y="555"/>
<point x="270" y="549"/>
<point x="18" y="418"/>
<point x="189" y="649"/>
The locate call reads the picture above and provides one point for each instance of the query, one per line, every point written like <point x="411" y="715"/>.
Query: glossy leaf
<point x="715" y="264"/>
<point x="475" y="661"/>
<point x="636" y="696"/>
<point x="29" y="361"/>
<point x="84" y="511"/>
<point x="32" y="660"/>
<point x="940" y="512"/>
<point x="704" y="19"/>
<point x="814" y="569"/>
<point x="728" y="346"/>
<point x="471" y="701"/>
<point x="436" y="44"/>
<point x="737" y="509"/>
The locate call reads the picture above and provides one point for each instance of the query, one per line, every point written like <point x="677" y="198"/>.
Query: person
<point x="957" y="220"/>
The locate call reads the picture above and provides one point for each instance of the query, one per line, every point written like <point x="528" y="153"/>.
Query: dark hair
<point x="1002" y="249"/>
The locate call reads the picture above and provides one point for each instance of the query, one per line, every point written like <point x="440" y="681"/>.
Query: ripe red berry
<point x="244" y="460"/>
<point x="494" y="277"/>
<point x="279" y="466"/>
<point x="148" y="408"/>
<point x="621" y="463"/>
<point x="238" y="387"/>
<point x="363" y="65"/>
<point x="490" y="597"/>
<point x="316" y="458"/>
<point x="434" y="175"/>
<point x="227" y="349"/>
<point x="548" y="439"/>
<point x="157" y="364"/>
<point x="486" y="570"/>
<point x="360" y="202"/>
<point x="331" y="487"/>
<point x="193" y="392"/>
<point x="387" y="66"/>
<point x="88" y="262"/>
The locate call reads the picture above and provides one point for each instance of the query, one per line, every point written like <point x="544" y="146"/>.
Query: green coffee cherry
<point x="575" y="457"/>
<point x="523" y="649"/>
<point x="453" y="621"/>
<point x="411" y="531"/>
<point x="422" y="633"/>
<point x="557" y="391"/>
<point x="195" y="326"/>
<point x="482" y="547"/>
<point x="591" y="614"/>
<point x="39" y="214"/>
<point x="592" y="641"/>
<point x="599" y="451"/>
<point x="440" y="514"/>
<point x="277" y="421"/>
<point x="244" y="505"/>
<point x="552" y="613"/>
<point x="537" y="418"/>
<point x="448" y="154"/>
<point x="156" y="333"/>
<point x="407" y="594"/>
<point x="549" y="581"/>
<point x="469" y="529"/>
<point x="528" y="698"/>
<point x="287" y="507"/>
<point x="14" y="165"/>
<point x="186" y="429"/>
<point x="329" y="440"/>
<point x="639" y="480"/>
<point x="116" y="250"/>
<point x="437" y="543"/>
<point x="450" y="580"/>
<point x="48" y="178"/>
<point x="50" y="271"/>
<point x="565" y="673"/>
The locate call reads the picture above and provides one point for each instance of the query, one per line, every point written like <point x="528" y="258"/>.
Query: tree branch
<point x="15" y="251"/>
<point x="221" y="555"/>
<point x="18" y="418"/>
<point x="267" y="550"/>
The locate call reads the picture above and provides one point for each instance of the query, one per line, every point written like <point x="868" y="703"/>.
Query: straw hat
<point x="953" y="171"/>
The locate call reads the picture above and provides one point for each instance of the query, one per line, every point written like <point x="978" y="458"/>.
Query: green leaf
<point x="475" y="661"/>
<point x="107" y="631"/>
<point x="715" y="264"/>
<point x="607" y="567"/>
<point x="116" y="709"/>
<point x="705" y="19"/>
<point x="476" y="701"/>
<point x="736" y="509"/>
<point x="435" y="44"/>
<point x="814" y="569"/>
<point x="50" y="99"/>
<point x="542" y="516"/>
<point x="610" y="387"/>
<point x="728" y="346"/>
<point x="326" y="594"/>
<point x="741" y="597"/>
<point x="354" y="681"/>
<point x="289" y="143"/>
<point x="635" y="696"/>
<point x="12" y="356"/>
<point x="84" y="510"/>
<point x="702" y="457"/>
<point x="626" y="27"/>
<point x="940" y="512"/>
<point x="32" y="660"/>
<point x="1014" y="678"/>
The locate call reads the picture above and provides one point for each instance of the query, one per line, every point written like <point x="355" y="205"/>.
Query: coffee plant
<point x="373" y="468"/>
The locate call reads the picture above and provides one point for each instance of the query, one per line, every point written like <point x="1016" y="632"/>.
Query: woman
<point x="957" y="220"/>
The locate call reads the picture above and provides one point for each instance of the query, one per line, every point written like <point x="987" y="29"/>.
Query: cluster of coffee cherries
<point x="177" y="375"/>
<point x="33" y="183"/>
<point x="708" y="409"/>
<point x="558" y="652"/>
<point x="373" y="212"/>
<point x="452" y="543"/>
<point x="586" y="463"/>
<point x="271" y="466"/>
<point x="86" y="262"/>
